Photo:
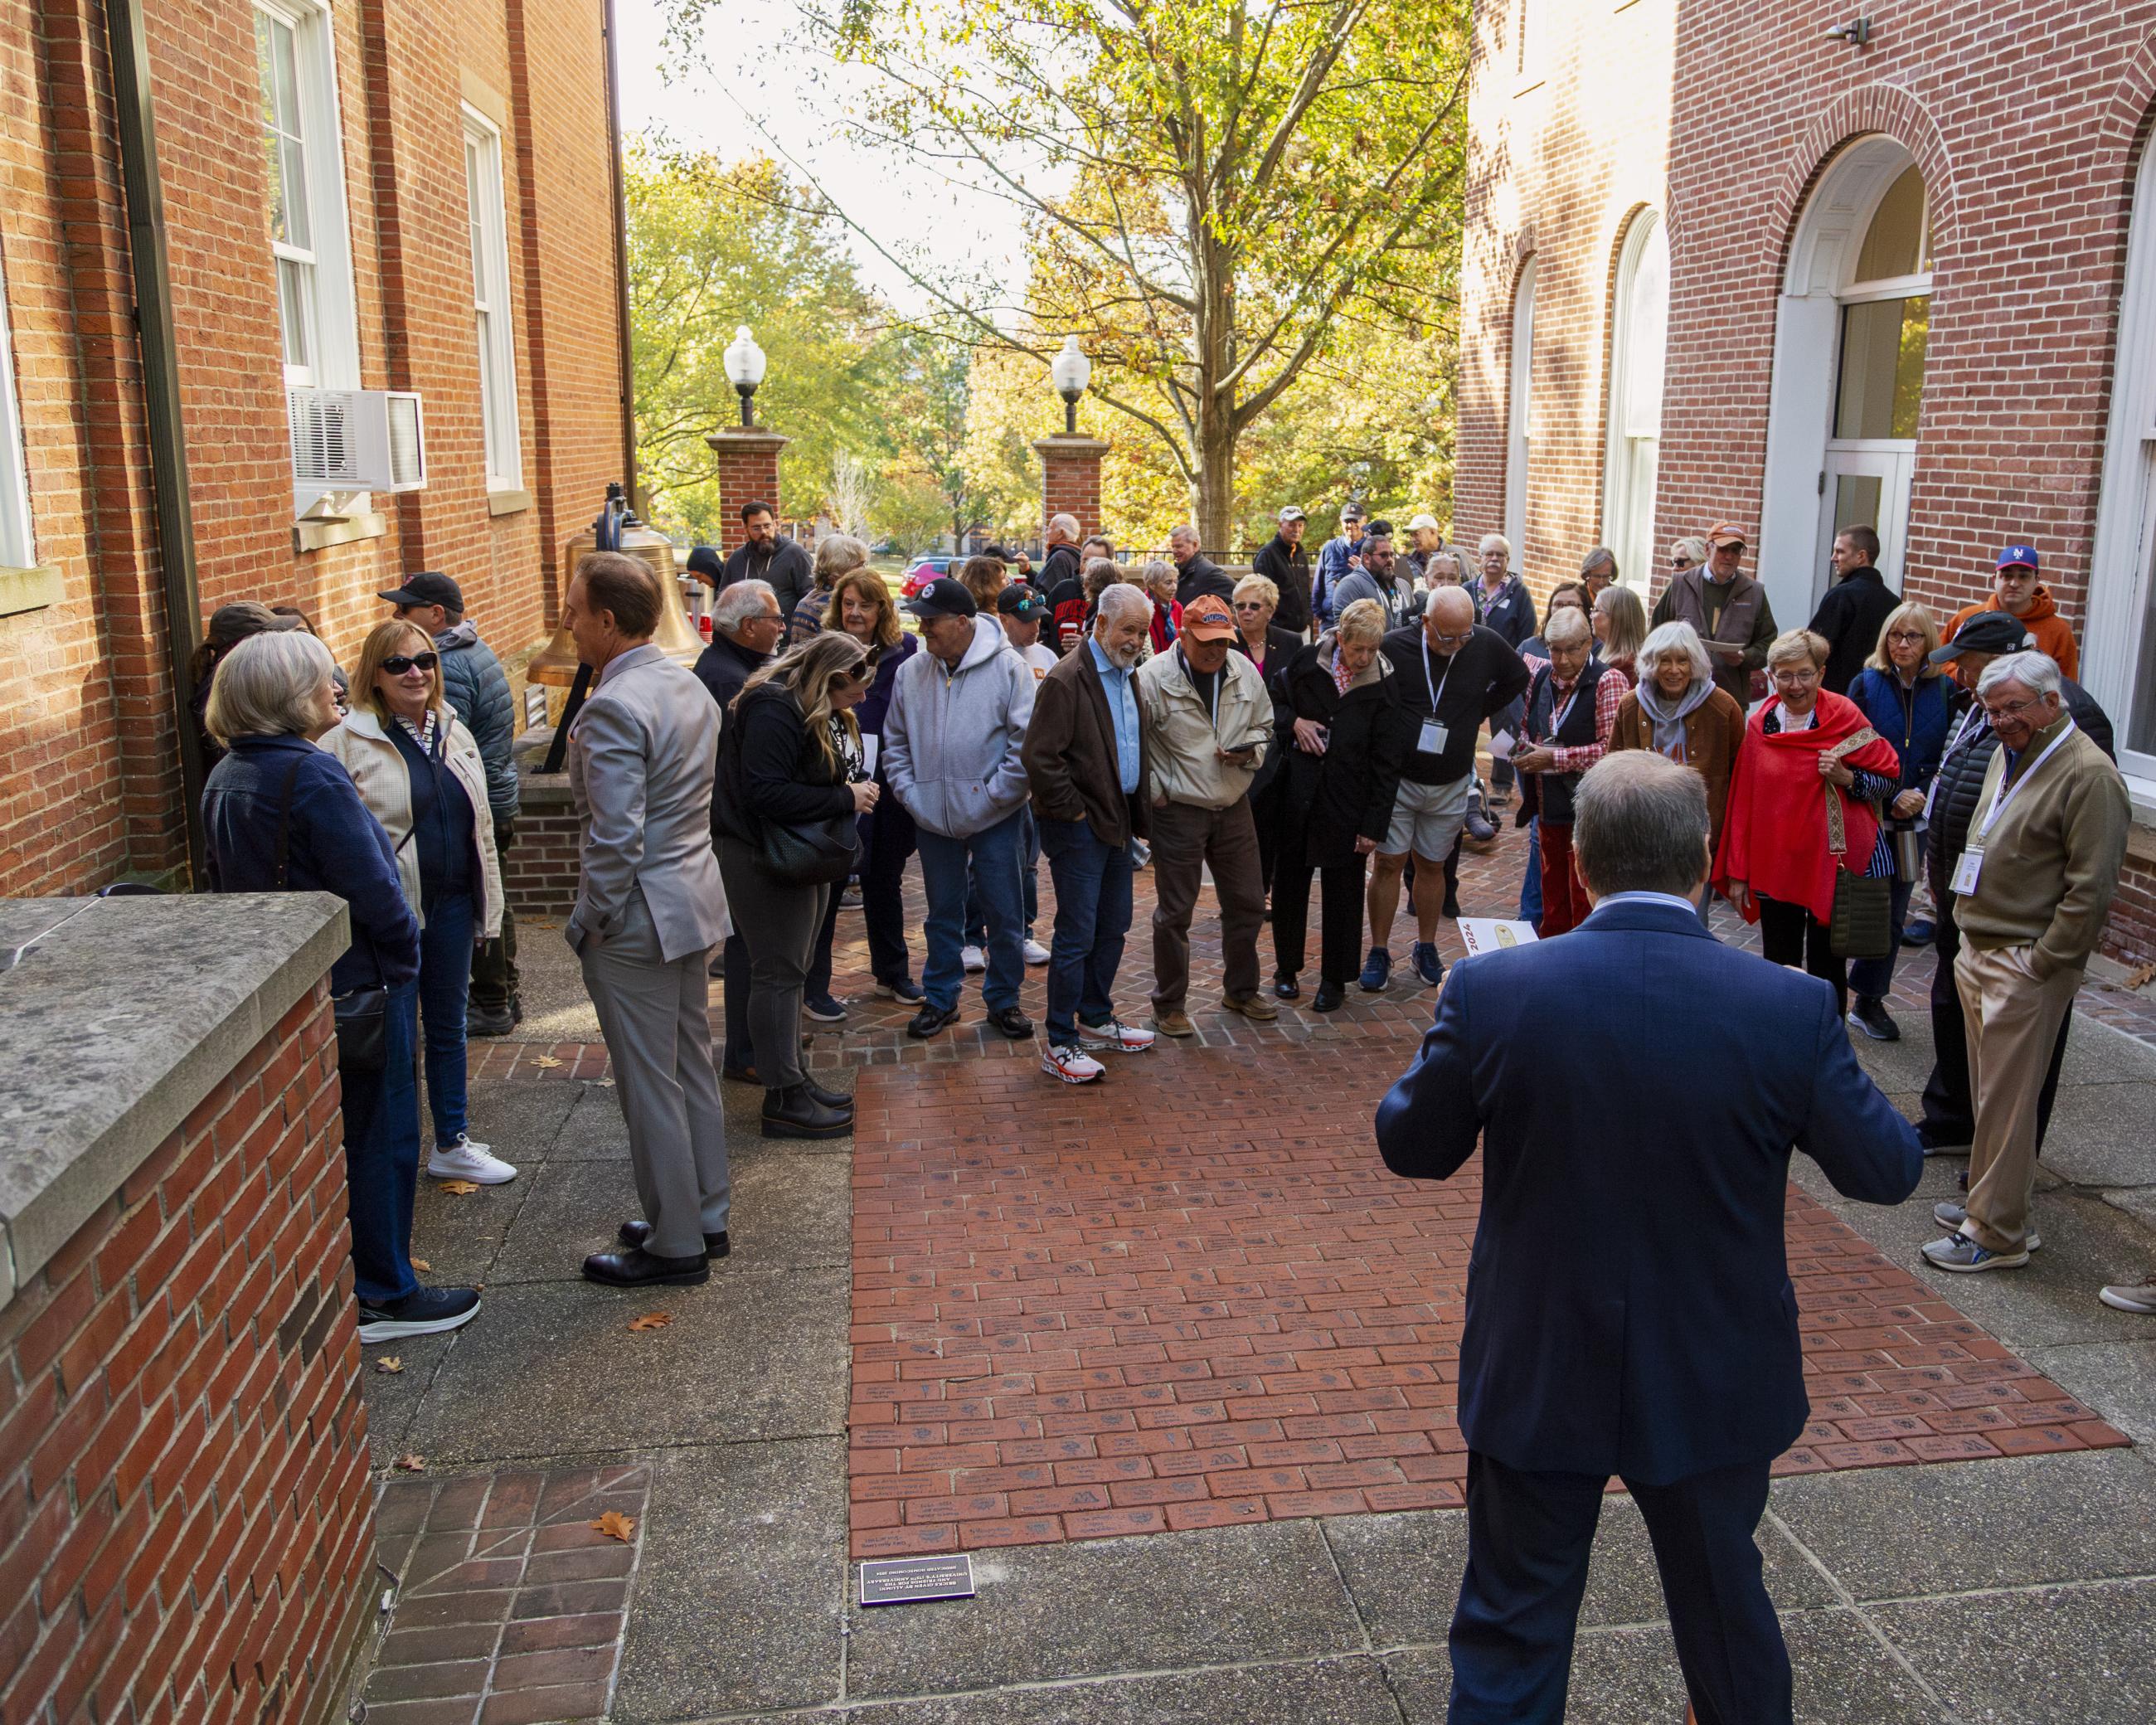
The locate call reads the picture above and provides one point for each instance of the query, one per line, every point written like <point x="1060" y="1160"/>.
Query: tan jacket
<point x="2051" y="864"/>
<point x="385" y="786"/>
<point x="1185" y="741"/>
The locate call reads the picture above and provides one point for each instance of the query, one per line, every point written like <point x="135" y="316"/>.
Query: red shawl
<point x="1774" y="835"/>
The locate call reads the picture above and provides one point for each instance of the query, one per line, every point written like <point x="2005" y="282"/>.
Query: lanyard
<point x="2005" y="792"/>
<point x="1437" y="688"/>
<point x="1564" y="712"/>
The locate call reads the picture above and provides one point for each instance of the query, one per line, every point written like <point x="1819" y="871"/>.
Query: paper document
<point x="869" y="742"/>
<point x="1486" y="934"/>
<point x="1501" y="745"/>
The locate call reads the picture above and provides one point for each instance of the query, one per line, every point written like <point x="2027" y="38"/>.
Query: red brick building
<point x="1721" y="264"/>
<point x="371" y="195"/>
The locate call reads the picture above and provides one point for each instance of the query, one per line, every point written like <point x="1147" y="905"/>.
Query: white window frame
<point x="494" y="327"/>
<point x="333" y="311"/>
<point x="1529" y="45"/>
<point x="1632" y="458"/>
<point x="18" y="541"/>
<point x="2122" y="623"/>
<point x="1519" y="413"/>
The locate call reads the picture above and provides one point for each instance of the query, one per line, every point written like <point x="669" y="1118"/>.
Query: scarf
<point x="1669" y="721"/>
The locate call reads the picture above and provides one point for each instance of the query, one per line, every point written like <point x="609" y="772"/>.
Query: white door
<point x="1866" y="487"/>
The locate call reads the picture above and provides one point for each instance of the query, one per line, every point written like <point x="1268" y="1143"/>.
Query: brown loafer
<point x="1251" y="1006"/>
<point x="1173" y="1023"/>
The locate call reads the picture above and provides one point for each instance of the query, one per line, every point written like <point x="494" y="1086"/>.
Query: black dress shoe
<point x="634" y="1233"/>
<point x="1287" y="987"/>
<point x="632" y="1267"/>
<point x="488" y="1023"/>
<point x="1011" y="1022"/>
<point x="1450" y="907"/>
<point x="837" y="1099"/>
<point x="740" y="1074"/>
<point x="930" y="1019"/>
<point x="1330" y="997"/>
<point x="794" y="1113"/>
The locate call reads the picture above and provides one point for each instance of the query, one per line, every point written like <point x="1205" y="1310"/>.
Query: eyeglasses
<point x="397" y="663"/>
<point x="1906" y="637"/>
<point x="2010" y="709"/>
<point x="1451" y="640"/>
<point x="1681" y="562"/>
<point x="1249" y="604"/>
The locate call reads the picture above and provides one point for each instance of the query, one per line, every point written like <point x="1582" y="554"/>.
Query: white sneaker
<point x="1072" y="1066"/>
<point x="467" y="1160"/>
<point x="1035" y="954"/>
<point x="1115" y="1034"/>
<point x="974" y="958"/>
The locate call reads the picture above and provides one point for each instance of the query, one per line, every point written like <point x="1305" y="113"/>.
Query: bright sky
<point x="744" y="71"/>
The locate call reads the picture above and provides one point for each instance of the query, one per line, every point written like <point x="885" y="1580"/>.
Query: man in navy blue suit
<point x="1637" y="1087"/>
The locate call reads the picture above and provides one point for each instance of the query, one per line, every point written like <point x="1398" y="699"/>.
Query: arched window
<point x="1852" y="332"/>
<point x="1519" y="412"/>
<point x="1639" y="336"/>
<point x="2118" y="660"/>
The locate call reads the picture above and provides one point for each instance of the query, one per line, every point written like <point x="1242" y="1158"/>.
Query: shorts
<point x="1427" y="818"/>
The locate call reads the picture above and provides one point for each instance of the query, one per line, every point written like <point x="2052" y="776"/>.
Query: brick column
<point x="748" y="472"/>
<point x="1071" y="479"/>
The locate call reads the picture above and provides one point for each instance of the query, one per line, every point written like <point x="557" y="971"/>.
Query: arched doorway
<point x="1639" y="339"/>
<point x="1519" y="407"/>
<point x="2119" y="657"/>
<point x="1852" y="332"/>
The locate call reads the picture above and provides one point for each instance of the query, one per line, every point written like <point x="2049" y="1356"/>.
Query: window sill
<point x="1529" y="83"/>
<point x="508" y="502"/>
<point x="321" y="536"/>
<point x="29" y="589"/>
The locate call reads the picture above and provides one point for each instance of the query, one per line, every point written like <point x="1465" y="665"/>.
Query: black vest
<point x="1554" y="790"/>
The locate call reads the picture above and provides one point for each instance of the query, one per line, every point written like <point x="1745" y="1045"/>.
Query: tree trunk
<point x="1213" y="498"/>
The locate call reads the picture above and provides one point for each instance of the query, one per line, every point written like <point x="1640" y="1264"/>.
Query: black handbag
<point x="817" y="854"/>
<point x="1863" y="923"/>
<point x="362" y="1014"/>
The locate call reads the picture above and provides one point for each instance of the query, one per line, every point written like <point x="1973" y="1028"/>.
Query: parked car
<point x="925" y="570"/>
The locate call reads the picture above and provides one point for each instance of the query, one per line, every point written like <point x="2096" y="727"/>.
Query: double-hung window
<point x="303" y="168"/>
<point x="496" y="332"/>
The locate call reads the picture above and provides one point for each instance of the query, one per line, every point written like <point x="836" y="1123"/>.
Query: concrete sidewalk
<point x="2005" y="1589"/>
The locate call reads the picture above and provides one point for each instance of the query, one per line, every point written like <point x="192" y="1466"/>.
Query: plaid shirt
<point x="1609" y="696"/>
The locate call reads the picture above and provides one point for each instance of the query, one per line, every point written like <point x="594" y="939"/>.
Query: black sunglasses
<point x="397" y="664"/>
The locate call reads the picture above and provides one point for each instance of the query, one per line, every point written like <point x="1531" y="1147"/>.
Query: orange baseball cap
<point x="1208" y="618"/>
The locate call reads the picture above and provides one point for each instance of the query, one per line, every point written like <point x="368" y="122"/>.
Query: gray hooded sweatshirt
<point x="951" y="739"/>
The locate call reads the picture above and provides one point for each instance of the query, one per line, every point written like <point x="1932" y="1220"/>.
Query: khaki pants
<point x="1185" y="841"/>
<point x="2012" y="1020"/>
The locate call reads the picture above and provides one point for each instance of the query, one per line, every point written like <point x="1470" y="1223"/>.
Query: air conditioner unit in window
<point x="356" y="440"/>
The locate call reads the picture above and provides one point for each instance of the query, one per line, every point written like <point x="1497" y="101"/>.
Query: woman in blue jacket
<point x="281" y="815"/>
<point x="1909" y="703"/>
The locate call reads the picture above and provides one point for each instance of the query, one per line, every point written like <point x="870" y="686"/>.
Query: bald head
<point x="1448" y="620"/>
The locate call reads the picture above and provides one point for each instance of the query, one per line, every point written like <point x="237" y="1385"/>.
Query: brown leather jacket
<point x="1070" y="753"/>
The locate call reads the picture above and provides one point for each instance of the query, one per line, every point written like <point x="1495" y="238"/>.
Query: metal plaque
<point x="903" y="1581"/>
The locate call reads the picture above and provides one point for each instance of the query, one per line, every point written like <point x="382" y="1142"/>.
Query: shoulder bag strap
<point x="285" y="820"/>
<point x="1837" y="832"/>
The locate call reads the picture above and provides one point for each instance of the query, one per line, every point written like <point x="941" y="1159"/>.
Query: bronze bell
<point x="675" y="636"/>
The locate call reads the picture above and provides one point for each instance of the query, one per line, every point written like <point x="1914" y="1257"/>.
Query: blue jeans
<point x="446" y="963"/>
<point x="1869" y="979"/>
<point x="977" y="914"/>
<point x="995" y="853"/>
<point x="1530" y="888"/>
<point x="1092" y="915"/>
<point x="381" y="1158"/>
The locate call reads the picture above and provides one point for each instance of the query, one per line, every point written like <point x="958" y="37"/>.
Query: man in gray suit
<point x="650" y="906"/>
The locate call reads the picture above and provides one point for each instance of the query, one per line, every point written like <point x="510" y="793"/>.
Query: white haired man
<point x="1195" y="573"/>
<point x="2030" y="893"/>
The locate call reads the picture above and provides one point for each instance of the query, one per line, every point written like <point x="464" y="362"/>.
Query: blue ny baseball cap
<point x="2019" y="556"/>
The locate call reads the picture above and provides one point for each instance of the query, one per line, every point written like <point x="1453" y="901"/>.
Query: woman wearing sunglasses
<point x="419" y="773"/>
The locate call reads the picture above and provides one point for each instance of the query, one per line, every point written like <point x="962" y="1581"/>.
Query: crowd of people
<point x="1320" y="722"/>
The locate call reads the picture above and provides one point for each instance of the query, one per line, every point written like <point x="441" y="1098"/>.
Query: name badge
<point x="1966" y="871"/>
<point x="1432" y="741"/>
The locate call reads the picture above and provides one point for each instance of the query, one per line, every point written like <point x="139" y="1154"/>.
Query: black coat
<point x="1850" y="616"/>
<point x="770" y="768"/>
<point x="1287" y="566"/>
<point x="1960" y="779"/>
<point x="1346" y="792"/>
<point x="1201" y="575"/>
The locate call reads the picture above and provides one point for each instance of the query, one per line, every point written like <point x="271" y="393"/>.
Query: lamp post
<point x="745" y="366"/>
<point x="1070" y="372"/>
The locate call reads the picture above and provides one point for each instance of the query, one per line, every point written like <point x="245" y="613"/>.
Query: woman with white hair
<point x="1571" y="713"/>
<point x="1679" y="710"/>
<point x="1686" y="554"/>
<point x="836" y="554"/>
<point x="281" y="815"/>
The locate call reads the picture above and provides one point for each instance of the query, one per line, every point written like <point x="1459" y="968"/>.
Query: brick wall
<point x="88" y="774"/>
<point x="186" y="1523"/>
<point x="747" y="463"/>
<point x="1070" y="479"/>
<point x="541" y="875"/>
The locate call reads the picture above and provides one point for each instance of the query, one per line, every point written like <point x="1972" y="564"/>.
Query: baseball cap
<point x="229" y="624"/>
<point x="1351" y="511"/>
<point x="1420" y="522"/>
<point x="1293" y="512"/>
<point x="2019" y="556"/>
<point x="430" y="587"/>
<point x="1987" y="632"/>
<point x="1206" y="618"/>
<point x="1022" y="602"/>
<point x="943" y="597"/>
<point x="1723" y="533"/>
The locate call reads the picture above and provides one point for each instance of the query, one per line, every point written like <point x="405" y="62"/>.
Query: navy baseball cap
<point x="1993" y="632"/>
<point x="1022" y="602"/>
<point x="2019" y="556"/>
<point x="430" y="587"/>
<point x="943" y="597"/>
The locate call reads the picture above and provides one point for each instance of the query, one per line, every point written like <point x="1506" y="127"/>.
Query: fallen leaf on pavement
<point x="422" y="1265"/>
<point x="459" y="1188"/>
<point x="616" y="1526"/>
<point x="389" y="1363"/>
<point x="2141" y="978"/>
<point x="544" y="1060"/>
<point x="605" y="1083"/>
<point x="411" y="1463"/>
<point x="652" y="1321"/>
<point x="546" y="925"/>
